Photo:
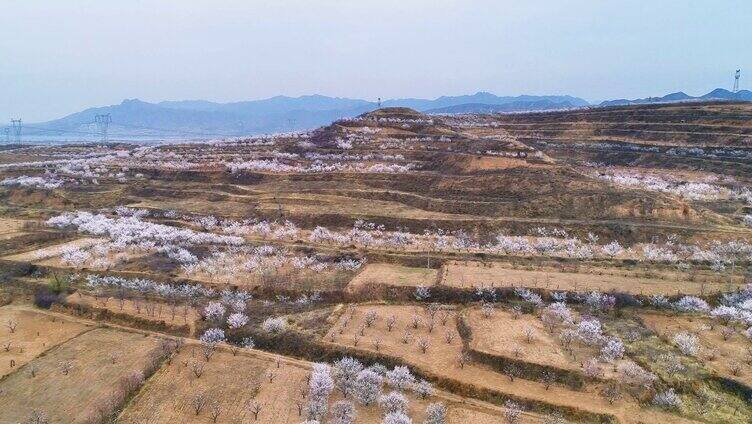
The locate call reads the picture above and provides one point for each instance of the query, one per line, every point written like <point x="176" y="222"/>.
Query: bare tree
<point x="198" y="402"/>
<point x="255" y="409"/>
<point x="271" y="375"/>
<point x="448" y="337"/>
<point x="511" y="371"/>
<point x="727" y="332"/>
<point x="370" y="318"/>
<point x="529" y="334"/>
<point x="7" y="344"/>
<point x="208" y="350"/>
<point x="38" y="416"/>
<point x="114" y="356"/>
<point x="12" y="324"/>
<point x="735" y="368"/>
<point x="416" y="321"/>
<point x="463" y="358"/>
<point x="406" y="337"/>
<point x="214" y="410"/>
<point x="431" y="325"/>
<point x="443" y="317"/>
<point x="612" y="392"/>
<point x="65" y="366"/>
<point x="197" y="368"/>
<point x="377" y="343"/>
<point x="390" y="322"/>
<point x="547" y="378"/>
<point x="424" y="344"/>
<point x="518" y="351"/>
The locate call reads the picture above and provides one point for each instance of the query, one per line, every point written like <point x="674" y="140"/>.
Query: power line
<point x="60" y="130"/>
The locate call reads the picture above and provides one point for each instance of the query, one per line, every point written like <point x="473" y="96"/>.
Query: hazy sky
<point x="60" y="56"/>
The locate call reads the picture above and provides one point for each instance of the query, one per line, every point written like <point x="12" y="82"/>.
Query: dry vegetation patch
<point x="33" y="333"/>
<point x="10" y="228"/>
<point x="477" y="274"/>
<point x="393" y="275"/>
<point x="523" y="338"/>
<point x="72" y="379"/>
<point x="226" y="382"/>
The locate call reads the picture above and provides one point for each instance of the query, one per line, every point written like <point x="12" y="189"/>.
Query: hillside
<point x="584" y="266"/>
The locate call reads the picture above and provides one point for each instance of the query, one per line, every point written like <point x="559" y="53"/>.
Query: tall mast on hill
<point x="736" y="80"/>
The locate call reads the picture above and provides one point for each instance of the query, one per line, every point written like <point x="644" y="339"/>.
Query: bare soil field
<point x="226" y="379"/>
<point x="393" y="275"/>
<point x="71" y="398"/>
<point x="501" y="334"/>
<point x="34" y="333"/>
<point x="477" y="274"/>
<point x="727" y="357"/>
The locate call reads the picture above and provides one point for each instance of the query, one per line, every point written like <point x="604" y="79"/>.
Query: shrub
<point x="687" y="343"/>
<point x="668" y="399"/>
<point x="45" y="298"/>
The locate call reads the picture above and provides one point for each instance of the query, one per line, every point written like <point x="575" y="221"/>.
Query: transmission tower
<point x="16" y="125"/>
<point x="379" y="102"/>
<point x="736" y="80"/>
<point x="103" y="125"/>
<point x="7" y="134"/>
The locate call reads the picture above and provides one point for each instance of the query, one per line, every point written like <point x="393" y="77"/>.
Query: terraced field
<point x="534" y="265"/>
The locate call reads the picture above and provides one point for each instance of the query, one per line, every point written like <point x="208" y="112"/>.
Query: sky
<point x="61" y="56"/>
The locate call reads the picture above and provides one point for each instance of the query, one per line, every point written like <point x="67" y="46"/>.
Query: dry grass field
<point x="501" y="334"/>
<point x="393" y="275"/>
<point x="234" y="381"/>
<point x="477" y="274"/>
<point x="226" y="379"/>
<point x="34" y="334"/>
<point x="71" y="398"/>
<point x="10" y="228"/>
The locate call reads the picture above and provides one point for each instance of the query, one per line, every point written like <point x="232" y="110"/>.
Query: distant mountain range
<point x="204" y="119"/>
<point x="201" y="119"/>
<point x="717" y="94"/>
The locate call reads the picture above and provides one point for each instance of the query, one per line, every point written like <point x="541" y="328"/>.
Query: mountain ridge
<point x="206" y="119"/>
